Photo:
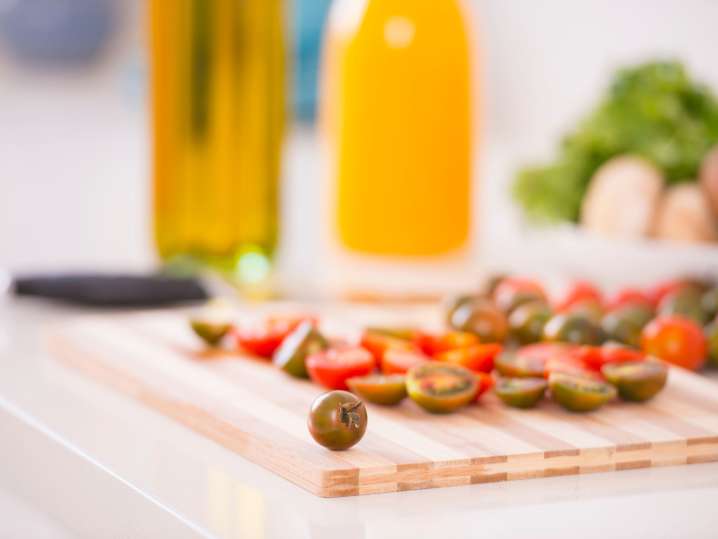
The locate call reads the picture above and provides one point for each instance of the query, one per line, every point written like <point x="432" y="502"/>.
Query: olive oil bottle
<point x="218" y="95"/>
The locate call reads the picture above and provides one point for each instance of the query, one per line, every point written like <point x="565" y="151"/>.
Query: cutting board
<point x="260" y="413"/>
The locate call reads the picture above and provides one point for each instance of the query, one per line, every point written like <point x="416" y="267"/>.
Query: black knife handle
<point x="102" y="290"/>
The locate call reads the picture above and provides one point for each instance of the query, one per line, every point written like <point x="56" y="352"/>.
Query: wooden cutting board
<point x="260" y="413"/>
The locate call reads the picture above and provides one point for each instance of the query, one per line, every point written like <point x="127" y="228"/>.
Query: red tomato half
<point x="397" y="361"/>
<point x="433" y="345"/>
<point x="478" y="358"/>
<point x="677" y="340"/>
<point x="262" y="340"/>
<point x="332" y="368"/>
<point x="486" y="382"/>
<point x="628" y="296"/>
<point x="579" y="292"/>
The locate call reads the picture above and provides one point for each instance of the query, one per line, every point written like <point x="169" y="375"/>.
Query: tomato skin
<point x="628" y="296"/>
<point x="579" y="292"/>
<point x="264" y="340"/>
<point x="331" y="368"/>
<point x="434" y="345"/>
<point x="486" y="382"/>
<point x="477" y="358"/>
<point x="677" y="340"/>
<point x="396" y="361"/>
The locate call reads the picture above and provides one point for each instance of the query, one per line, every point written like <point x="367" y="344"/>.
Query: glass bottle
<point x="218" y="96"/>
<point x="397" y="125"/>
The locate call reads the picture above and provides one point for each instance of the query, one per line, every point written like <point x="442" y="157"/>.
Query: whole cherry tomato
<point x="337" y="420"/>
<point x="477" y="358"/>
<point x="331" y="368"/>
<point x="676" y="340"/>
<point x="659" y="291"/>
<point x="578" y="293"/>
<point x="263" y="340"/>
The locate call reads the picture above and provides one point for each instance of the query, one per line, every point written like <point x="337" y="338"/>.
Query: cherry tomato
<point x="482" y="318"/>
<point x="637" y="381"/>
<point x="331" y="368"/>
<point x="579" y="394"/>
<point x="628" y="296"/>
<point x="477" y="358"/>
<point x="337" y="420"/>
<point x="433" y="345"/>
<point x="379" y="389"/>
<point x="687" y="301"/>
<point x="579" y="292"/>
<point x="398" y="361"/>
<point x="676" y="340"/>
<point x="521" y="392"/>
<point x="210" y="332"/>
<point x="486" y="382"/>
<point x="292" y="354"/>
<point x="572" y="328"/>
<point x="441" y="388"/>
<point x="264" y="339"/>
<point x="658" y="292"/>
<point x="513" y="291"/>
<point x="527" y="321"/>
<point x="378" y="343"/>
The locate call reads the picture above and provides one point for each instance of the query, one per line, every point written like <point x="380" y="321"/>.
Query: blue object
<point x="310" y="16"/>
<point x="57" y="31"/>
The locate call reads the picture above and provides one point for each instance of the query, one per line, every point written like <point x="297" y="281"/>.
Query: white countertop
<point x="81" y="460"/>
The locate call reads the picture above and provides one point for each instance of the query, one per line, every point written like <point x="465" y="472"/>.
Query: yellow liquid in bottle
<point x="218" y="115"/>
<point x="397" y="120"/>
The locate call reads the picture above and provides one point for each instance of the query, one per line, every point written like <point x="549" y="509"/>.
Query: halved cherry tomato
<point x="513" y="291"/>
<point x="262" y="340"/>
<point x="595" y="357"/>
<point x="628" y="296"/>
<point x="677" y="340"/>
<point x="378" y="343"/>
<point x="331" y="368"/>
<point x="433" y="345"/>
<point x="578" y="293"/>
<point x="398" y="361"/>
<point x="477" y="358"/>
<point x="486" y="382"/>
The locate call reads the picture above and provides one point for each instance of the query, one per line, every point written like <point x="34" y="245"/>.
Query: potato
<point x="684" y="214"/>
<point x="709" y="178"/>
<point x="622" y="198"/>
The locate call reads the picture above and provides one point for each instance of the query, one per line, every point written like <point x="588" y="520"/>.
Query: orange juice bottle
<point x="397" y="121"/>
